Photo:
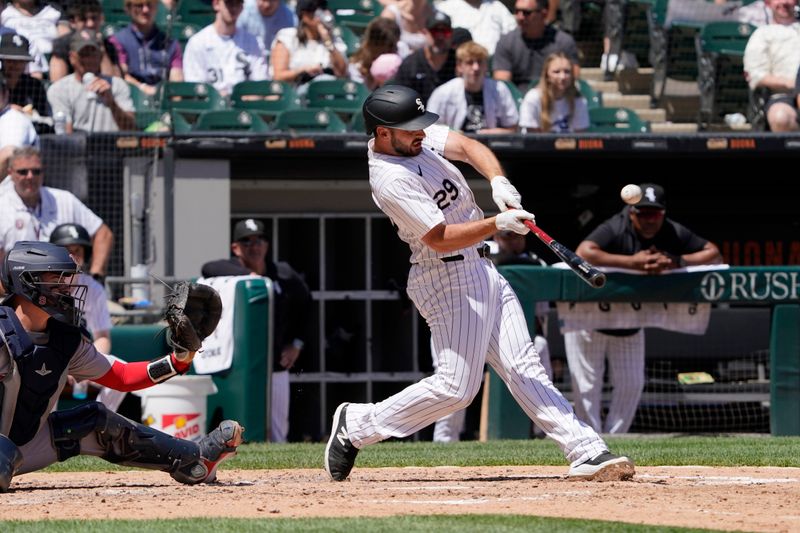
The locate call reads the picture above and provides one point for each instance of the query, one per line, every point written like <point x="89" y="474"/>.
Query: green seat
<point x="515" y="92"/>
<point x="146" y="118"/>
<point x="230" y="120"/>
<point x="356" y="124"/>
<point x="178" y="122"/>
<point x="349" y="38"/>
<point x="142" y="101"/>
<point x="356" y="6"/>
<point x="355" y="21"/>
<point x="190" y="99"/>
<point x="341" y="96"/>
<point x="197" y="12"/>
<point x="593" y="98"/>
<point x="264" y="98"/>
<point x="723" y="88"/>
<point x="310" y="120"/>
<point x="183" y="31"/>
<point x="616" y="120"/>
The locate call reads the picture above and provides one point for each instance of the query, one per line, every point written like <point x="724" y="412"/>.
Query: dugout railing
<point x="778" y="287"/>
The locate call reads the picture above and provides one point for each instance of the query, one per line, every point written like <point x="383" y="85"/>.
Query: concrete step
<point x="592" y="74"/>
<point x="652" y="115"/>
<point x="673" y="127"/>
<point x="604" y="86"/>
<point x="631" y="101"/>
<point x="635" y="81"/>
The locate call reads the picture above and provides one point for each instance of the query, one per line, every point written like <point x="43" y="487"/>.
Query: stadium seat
<point x="310" y="120"/>
<point x="723" y="89"/>
<point x="341" y="96"/>
<point x="230" y="120"/>
<point x="354" y="14"/>
<point x="672" y="50"/>
<point x="142" y="101"/>
<point x="356" y="124"/>
<point x="183" y="31"/>
<point x="267" y="99"/>
<point x="197" y="12"/>
<point x="348" y="37"/>
<point x="515" y="92"/>
<point x="593" y="98"/>
<point x="616" y="120"/>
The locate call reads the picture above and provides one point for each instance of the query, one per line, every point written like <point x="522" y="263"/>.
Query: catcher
<point x="42" y="344"/>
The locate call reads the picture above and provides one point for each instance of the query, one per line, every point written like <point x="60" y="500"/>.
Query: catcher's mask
<point x="45" y="275"/>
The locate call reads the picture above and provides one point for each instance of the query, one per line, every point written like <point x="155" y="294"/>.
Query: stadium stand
<point x="616" y="120"/>
<point x="267" y="99"/>
<point x="230" y="120"/>
<point x="310" y="120"/>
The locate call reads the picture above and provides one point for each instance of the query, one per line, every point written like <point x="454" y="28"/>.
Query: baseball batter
<point x="473" y="314"/>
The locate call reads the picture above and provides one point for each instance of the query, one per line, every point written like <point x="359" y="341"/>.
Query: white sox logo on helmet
<point x="420" y="105"/>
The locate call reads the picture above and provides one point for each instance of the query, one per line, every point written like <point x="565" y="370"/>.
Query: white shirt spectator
<point x="312" y="52"/>
<point x="487" y="24"/>
<point x="96" y="308"/>
<point x="69" y="96"/>
<point x="224" y="60"/>
<point x="16" y="129"/>
<point x="40" y="29"/>
<point x="57" y="206"/>
<point x="530" y="113"/>
<point x="773" y="49"/>
<point x="450" y="103"/>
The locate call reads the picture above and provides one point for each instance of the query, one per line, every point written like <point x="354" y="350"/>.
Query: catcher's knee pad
<point x="126" y="442"/>
<point x="10" y="461"/>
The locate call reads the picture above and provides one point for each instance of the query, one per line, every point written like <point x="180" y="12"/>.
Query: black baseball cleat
<point x="603" y="467"/>
<point x="220" y="445"/>
<point x="340" y="454"/>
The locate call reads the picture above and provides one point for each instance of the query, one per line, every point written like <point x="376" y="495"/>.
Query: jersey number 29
<point x="444" y="197"/>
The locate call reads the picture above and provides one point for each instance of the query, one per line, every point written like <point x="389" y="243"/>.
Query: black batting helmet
<point x="66" y="234"/>
<point x="396" y="106"/>
<point x="23" y="275"/>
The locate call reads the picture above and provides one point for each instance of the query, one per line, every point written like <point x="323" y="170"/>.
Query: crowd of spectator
<point x="95" y="71"/>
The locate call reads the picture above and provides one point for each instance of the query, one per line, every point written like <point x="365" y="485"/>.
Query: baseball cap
<point x="309" y="6"/>
<point x="652" y="196"/>
<point x="15" y="46"/>
<point x="460" y="36"/>
<point x="438" y="19"/>
<point x="246" y="228"/>
<point x="82" y="39"/>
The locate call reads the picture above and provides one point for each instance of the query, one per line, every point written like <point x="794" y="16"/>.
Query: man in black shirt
<point x="291" y="304"/>
<point x="25" y="92"/>
<point x="83" y="15"/>
<point x="426" y="69"/>
<point x="520" y="54"/>
<point x="640" y="238"/>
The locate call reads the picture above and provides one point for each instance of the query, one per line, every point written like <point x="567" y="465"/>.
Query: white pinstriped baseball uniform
<point x="473" y="313"/>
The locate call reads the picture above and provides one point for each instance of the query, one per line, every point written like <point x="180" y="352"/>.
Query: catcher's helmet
<point x="24" y="272"/>
<point x="396" y="106"/>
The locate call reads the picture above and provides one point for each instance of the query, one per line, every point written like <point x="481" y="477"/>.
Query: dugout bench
<point x="243" y="390"/>
<point x="776" y="286"/>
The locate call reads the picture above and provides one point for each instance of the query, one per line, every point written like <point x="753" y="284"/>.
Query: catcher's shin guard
<point x="127" y="442"/>
<point x="10" y="461"/>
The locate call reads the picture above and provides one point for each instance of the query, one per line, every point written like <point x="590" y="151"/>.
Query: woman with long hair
<point x="555" y="105"/>
<point x="381" y="37"/>
<point x="310" y="50"/>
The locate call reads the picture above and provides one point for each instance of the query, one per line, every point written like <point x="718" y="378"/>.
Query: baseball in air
<point x="631" y="194"/>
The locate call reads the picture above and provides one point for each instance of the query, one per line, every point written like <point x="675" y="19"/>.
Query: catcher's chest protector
<point x="40" y="368"/>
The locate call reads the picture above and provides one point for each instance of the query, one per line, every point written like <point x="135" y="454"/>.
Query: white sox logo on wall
<point x="420" y="105"/>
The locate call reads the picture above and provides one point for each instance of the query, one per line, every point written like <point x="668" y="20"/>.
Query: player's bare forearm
<point x="102" y="241"/>
<point x="709" y="255"/>
<point x="450" y="237"/>
<point x="597" y="256"/>
<point x="461" y="148"/>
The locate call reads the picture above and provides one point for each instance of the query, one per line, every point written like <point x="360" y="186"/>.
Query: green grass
<point x="395" y="524"/>
<point x="645" y="451"/>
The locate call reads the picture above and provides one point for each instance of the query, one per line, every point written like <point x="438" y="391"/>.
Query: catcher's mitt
<point x="192" y="312"/>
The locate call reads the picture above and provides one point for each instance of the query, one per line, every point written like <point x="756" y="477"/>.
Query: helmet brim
<point x="417" y="123"/>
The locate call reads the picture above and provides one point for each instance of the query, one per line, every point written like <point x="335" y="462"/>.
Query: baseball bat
<point x="582" y="268"/>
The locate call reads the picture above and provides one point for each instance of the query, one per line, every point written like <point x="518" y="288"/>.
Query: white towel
<point x="216" y="355"/>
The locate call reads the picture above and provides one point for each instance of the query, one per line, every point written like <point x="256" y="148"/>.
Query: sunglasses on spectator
<point x="526" y="12"/>
<point x="444" y="32"/>
<point x="26" y="171"/>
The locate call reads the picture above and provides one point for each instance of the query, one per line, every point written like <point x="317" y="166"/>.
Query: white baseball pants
<point x="587" y="351"/>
